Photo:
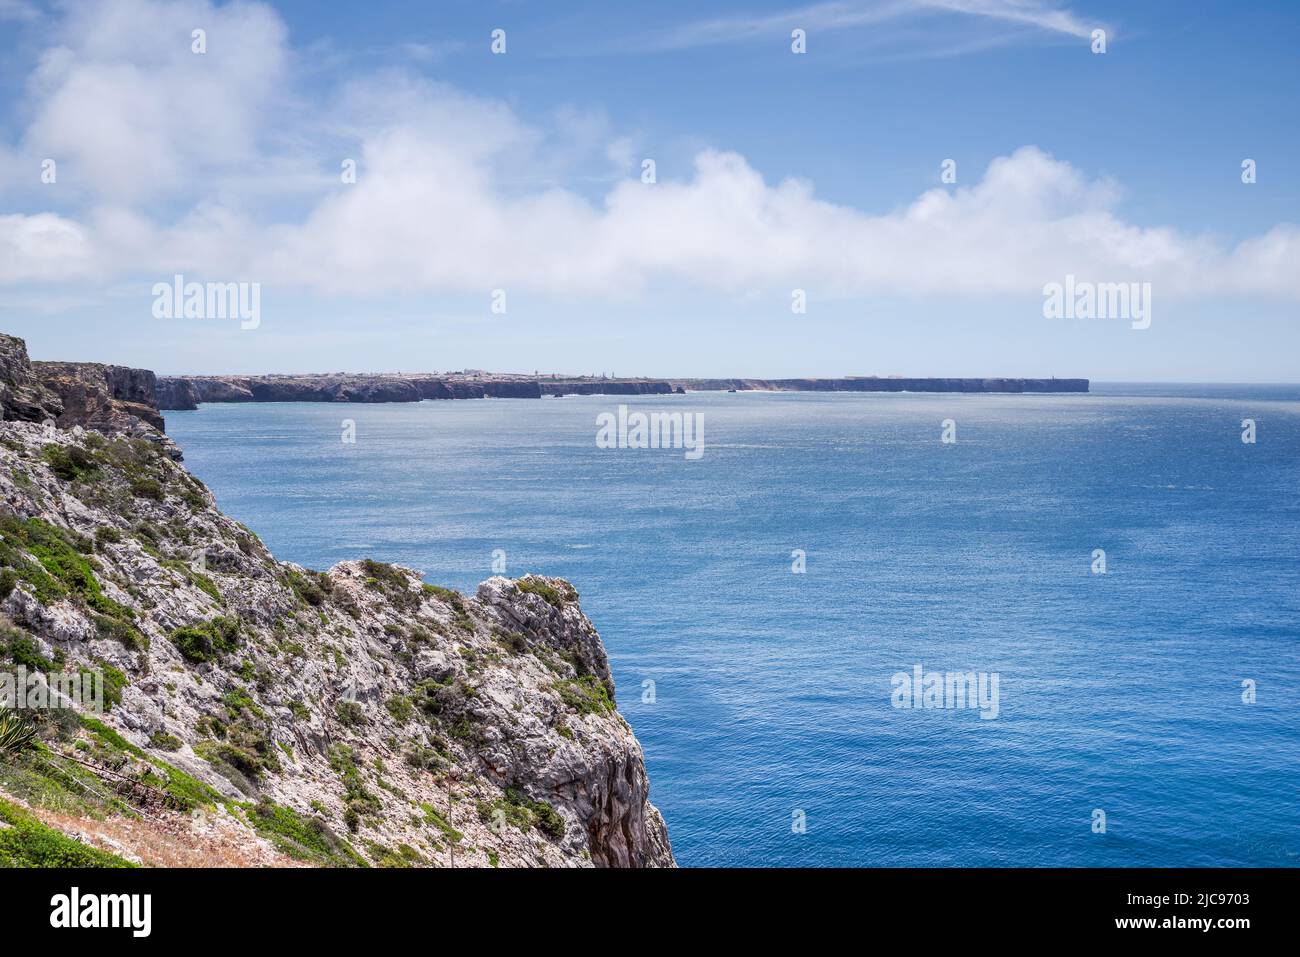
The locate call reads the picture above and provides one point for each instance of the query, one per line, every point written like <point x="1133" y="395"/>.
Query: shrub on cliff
<point x="587" y="695"/>
<point x="208" y="640"/>
<point x="523" y="812"/>
<point x="313" y="587"/>
<point x="535" y="586"/>
<point x="71" y="463"/>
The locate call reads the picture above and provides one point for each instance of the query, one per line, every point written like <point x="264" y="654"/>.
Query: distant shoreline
<point x="180" y="393"/>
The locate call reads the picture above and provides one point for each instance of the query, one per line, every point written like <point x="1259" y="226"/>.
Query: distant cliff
<point x="188" y="392"/>
<point x="883" y="384"/>
<point x="110" y="399"/>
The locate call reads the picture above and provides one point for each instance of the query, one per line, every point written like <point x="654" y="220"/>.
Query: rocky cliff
<point x="23" y="397"/>
<point x="114" y="400"/>
<point x="262" y="713"/>
<point x="187" y="392"/>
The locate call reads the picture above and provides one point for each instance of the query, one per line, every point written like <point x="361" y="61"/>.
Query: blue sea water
<point x="1119" y="691"/>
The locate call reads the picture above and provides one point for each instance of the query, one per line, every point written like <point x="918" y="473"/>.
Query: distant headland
<point x="188" y="392"/>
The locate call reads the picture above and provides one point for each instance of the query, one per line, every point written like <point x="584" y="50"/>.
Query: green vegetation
<point x="390" y="581"/>
<point x="535" y="586"/>
<point x="71" y="463"/>
<point x="303" y="838"/>
<point x="311" y="587"/>
<point x="189" y="791"/>
<point x="433" y="817"/>
<point x="26" y="842"/>
<point x="16" y="732"/>
<point x="60" y="570"/>
<point x="107" y="535"/>
<point x="196" y="578"/>
<point x="443" y="699"/>
<point x="445" y="594"/>
<point x="110" y="737"/>
<point x="113" y="682"/>
<point x="165" y="742"/>
<point x="20" y="648"/>
<point x="239" y="765"/>
<point x="208" y="640"/>
<point x="242" y="748"/>
<point x="522" y="812"/>
<point x="41" y="779"/>
<point x="400" y="707"/>
<point x="457" y="602"/>
<point x="358" y="801"/>
<point x="404" y="856"/>
<point x="145" y="487"/>
<point x="587" y="695"/>
<point x="350" y="713"/>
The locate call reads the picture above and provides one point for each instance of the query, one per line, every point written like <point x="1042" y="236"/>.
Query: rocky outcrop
<point x="23" y="397"/>
<point x="114" y="400"/>
<point x="101" y="397"/>
<point x="352" y="716"/>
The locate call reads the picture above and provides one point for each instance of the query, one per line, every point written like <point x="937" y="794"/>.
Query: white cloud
<point x="128" y="109"/>
<point x="43" y="248"/>
<point x="457" y="193"/>
<point x="989" y="18"/>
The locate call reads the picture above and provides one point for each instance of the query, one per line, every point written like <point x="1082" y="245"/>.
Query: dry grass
<point x="170" y="839"/>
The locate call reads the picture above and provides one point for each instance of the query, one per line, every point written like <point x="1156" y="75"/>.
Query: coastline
<point x="184" y="393"/>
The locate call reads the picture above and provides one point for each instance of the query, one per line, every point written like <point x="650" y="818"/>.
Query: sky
<point x="500" y="218"/>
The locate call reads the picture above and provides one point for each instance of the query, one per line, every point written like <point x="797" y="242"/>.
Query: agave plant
<point x="16" y="732"/>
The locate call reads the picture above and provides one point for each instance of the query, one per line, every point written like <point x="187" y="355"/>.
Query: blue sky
<point x="775" y="171"/>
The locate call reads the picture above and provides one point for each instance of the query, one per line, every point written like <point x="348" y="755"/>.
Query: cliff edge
<point x="257" y="712"/>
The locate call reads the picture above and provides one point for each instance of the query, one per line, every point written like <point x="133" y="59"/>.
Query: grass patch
<point x="586" y="695"/>
<point x="26" y="842"/>
<point x="433" y="817"/>
<point x="303" y="838"/>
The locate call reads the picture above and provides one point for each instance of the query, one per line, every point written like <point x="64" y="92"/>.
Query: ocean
<point x="766" y="698"/>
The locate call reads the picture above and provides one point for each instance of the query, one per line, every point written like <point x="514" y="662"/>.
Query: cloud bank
<point x="221" y="166"/>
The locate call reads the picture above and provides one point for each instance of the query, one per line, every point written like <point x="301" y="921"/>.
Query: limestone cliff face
<point x="177" y="394"/>
<point x="187" y="392"/>
<point x="114" y="400"/>
<point x="23" y="397"/>
<point x="354" y="716"/>
<point x="101" y="396"/>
